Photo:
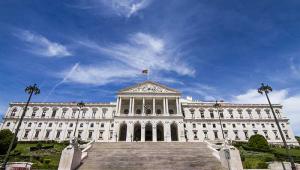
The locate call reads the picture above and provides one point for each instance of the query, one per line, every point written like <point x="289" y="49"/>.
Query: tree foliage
<point x="5" y="138"/>
<point x="258" y="142"/>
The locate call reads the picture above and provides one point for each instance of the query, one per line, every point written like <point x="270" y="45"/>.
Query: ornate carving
<point x="148" y="88"/>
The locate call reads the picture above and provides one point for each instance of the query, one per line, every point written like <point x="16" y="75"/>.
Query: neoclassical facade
<point x="148" y="112"/>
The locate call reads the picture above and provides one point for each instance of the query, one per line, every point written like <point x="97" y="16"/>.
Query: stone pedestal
<point x="70" y="157"/>
<point x="230" y="158"/>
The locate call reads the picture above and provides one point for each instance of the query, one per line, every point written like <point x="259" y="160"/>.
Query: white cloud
<point x="143" y="51"/>
<point x="40" y="45"/>
<point x="208" y="93"/>
<point x="126" y="8"/>
<point x="99" y="74"/>
<point x="290" y="103"/>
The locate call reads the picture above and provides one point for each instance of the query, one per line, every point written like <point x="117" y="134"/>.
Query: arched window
<point x="148" y="132"/>
<point x="160" y="131"/>
<point x="123" y="132"/>
<point x="40" y="124"/>
<point x="126" y="111"/>
<point x="148" y="111"/>
<point x="29" y="124"/>
<point x="92" y="124"/>
<point x="137" y="132"/>
<point x="174" y="132"/>
<point x="171" y="111"/>
<point x="71" y="124"/>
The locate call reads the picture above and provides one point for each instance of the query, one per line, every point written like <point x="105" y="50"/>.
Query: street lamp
<point x="80" y="105"/>
<point x="30" y="90"/>
<point x="218" y="106"/>
<point x="267" y="89"/>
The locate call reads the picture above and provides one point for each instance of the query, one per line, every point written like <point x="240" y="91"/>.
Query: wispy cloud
<point x="127" y="60"/>
<point x="145" y="51"/>
<point x="99" y="74"/>
<point x="126" y="7"/>
<point x="290" y="103"/>
<point x="42" y="46"/>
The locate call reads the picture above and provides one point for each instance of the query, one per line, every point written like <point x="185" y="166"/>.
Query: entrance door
<point x="148" y="132"/>
<point x="160" y="132"/>
<point x="137" y="132"/>
<point x="174" y="132"/>
<point x="122" y="132"/>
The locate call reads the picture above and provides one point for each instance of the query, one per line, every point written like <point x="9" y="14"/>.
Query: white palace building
<point x="148" y="112"/>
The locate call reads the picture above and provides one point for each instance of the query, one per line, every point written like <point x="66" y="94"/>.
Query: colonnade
<point x="165" y="107"/>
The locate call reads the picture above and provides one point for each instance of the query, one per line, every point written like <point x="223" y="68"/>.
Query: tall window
<point x="34" y="112"/>
<point x="58" y="134"/>
<point x="211" y="112"/>
<point x="278" y="113"/>
<point x="216" y="134"/>
<point x="83" y="113"/>
<point x="249" y="113"/>
<point x="36" y="135"/>
<point x="240" y="113"/>
<point x="54" y="113"/>
<point x="64" y="112"/>
<point x="236" y="135"/>
<point x="94" y="112"/>
<point x="230" y="113"/>
<point x="202" y="113"/>
<point x="90" y="134"/>
<point x="221" y="114"/>
<point x="26" y="133"/>
<point x="13" y="112"/>
<point x="268" y="113"/>
<point x="73" y="113"/>
<point x="205" y="134"/>
<point x="258" y="113"/>
<point x="246" y="134"/>
<point x="44" y="113"/>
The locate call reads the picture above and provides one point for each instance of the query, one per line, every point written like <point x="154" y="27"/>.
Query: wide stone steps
<point x="150" y="155"/>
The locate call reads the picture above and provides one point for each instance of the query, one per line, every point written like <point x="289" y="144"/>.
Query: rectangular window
<point x="244" y="126"/>
<point x="240" y="113"/>
<point x="230" y="113"/>
<point x="69" y="134"/>
<point x="43" y="113"/>
<point x="79" y="134"/>
<point x="263" y="125"/>
<point x="195" y="135"/>
<point x="58" y="134"/>
<point x="26" y="133"/>
<point x="204" y="125"/>
<point x="205" y="134"/>
<point x="253" y="125"/>
<point x="101" y="135"/>
<point x="224" y="125"/>
<point x="202" y="113"/>
<point x="236" y="135"/>
<point x="90" y="134"/>
<point x="47" y="134"/>
<point x="50" y="124"/>
<point x="225" y="134"/>
<point x="214" y="125"/>
<point x="36" y="135"/>
<point x="216" y="134"/>
<point x="110" y="135"/>
<point x="211" y="114"/>
<point x="221" y="114"/>
<point x="246" y="135"/>
<point x="102" y="125"/>
<point x="53" y="113"/>
<point x="233" y="125"/>
<point x="194" y="125"/>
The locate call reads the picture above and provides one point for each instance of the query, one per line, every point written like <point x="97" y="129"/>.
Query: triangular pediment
<point x="149" y="87"/>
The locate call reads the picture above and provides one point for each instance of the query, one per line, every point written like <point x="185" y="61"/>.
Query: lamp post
<point x="30" y="90"/>
<point x="265" y="89"/>
<point x="80" y="105"/>
<point x="218" y="106"/>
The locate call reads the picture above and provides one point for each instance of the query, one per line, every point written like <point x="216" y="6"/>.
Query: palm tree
<point x="30" y="90"/>
<point x="267" y="89"/>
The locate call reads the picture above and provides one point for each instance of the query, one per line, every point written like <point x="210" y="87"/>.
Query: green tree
<point x="5" y="137"/>
<point x="258" y="142"/>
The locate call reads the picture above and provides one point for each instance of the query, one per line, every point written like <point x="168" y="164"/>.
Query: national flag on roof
<point x="145" y="71"/>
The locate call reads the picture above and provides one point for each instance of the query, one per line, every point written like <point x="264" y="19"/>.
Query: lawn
<point x="41" y="158"/>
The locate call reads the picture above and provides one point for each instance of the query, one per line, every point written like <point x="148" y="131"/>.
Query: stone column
<point x="164" y="106"/>
<point x="120" y="106"/>
<point x="154" y="135"/>
<point x="129" y="132"/>
<point x="132" y="111"/>
<point x="167" y="106"/>
<point x="167" y="132"/>
<point x="143" y="107"/>
<point x="177" y="106"/>
<point x="130" y="106"/>
<point x="154" y="112"/>
<point x="143" y="132"/>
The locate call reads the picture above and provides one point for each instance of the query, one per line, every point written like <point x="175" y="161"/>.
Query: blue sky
<point x="87" y="50"/>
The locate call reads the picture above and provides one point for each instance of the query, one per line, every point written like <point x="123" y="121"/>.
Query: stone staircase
<point x="150" y="155"/>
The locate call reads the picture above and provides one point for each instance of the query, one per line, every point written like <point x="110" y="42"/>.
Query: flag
<point x="145" y="71"/>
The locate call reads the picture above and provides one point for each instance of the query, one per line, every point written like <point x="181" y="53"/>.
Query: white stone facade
<point x="148" y="112"/>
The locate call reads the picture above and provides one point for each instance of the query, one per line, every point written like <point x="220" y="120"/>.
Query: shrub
<point x="258" y="142"/>
<point x="5" y="137"/>
<point x="47" y="161"/>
